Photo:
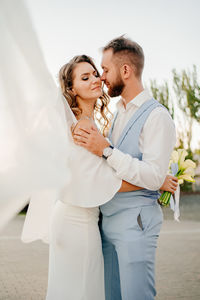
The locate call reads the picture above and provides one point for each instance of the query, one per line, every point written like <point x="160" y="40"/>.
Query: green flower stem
<point x="165" y="198"/>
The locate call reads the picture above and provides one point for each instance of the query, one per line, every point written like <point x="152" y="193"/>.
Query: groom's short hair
<point x="127" y="51"/>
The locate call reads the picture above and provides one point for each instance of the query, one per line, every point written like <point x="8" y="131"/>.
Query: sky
<point x="167" y="30"/>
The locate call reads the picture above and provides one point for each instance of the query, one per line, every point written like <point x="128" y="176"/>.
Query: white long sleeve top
<point x="156" y="142"/>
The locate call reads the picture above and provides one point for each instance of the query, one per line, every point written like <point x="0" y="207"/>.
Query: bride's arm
<point x="169" y="185"/>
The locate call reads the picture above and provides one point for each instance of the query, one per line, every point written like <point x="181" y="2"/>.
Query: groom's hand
<point x="91" y="139"/>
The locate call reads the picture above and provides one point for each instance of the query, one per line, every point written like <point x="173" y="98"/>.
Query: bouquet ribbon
<point x="174" y="204"/>
<point x="174" y="200"/>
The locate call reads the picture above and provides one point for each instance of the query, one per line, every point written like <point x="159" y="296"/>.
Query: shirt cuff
<point x="107" y="139"/>
<point x="115" y="158"/>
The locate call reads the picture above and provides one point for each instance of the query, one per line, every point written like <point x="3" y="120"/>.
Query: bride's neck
<point x="87" y="108"/>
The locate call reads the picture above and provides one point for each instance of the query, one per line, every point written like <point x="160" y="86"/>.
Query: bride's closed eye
<point x="85" y="78"/>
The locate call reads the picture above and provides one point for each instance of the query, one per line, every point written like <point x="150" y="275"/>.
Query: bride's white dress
<point x="64" y="182"/>
<point x="75" y="259"/>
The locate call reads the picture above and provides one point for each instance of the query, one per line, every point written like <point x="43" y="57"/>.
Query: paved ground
<point x="23" y="267"/>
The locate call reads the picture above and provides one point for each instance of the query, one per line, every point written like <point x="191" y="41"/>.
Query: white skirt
<point x="76" y="270"/>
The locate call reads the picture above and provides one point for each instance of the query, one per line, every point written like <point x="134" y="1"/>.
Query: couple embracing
<point x="111" y="256"/>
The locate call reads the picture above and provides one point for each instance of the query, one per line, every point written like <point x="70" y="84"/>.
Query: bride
<point x="75" y="260"/>
<point x="44" y="164"/>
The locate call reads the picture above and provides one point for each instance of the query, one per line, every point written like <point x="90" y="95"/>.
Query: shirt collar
<point x="137" y="101"/>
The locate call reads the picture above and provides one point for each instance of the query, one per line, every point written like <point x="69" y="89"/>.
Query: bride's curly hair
<point x="101" y="111"/>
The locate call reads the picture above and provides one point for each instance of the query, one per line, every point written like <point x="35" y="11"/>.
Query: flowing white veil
<point x="33" y="136"/>
<point x="38" y="159"/>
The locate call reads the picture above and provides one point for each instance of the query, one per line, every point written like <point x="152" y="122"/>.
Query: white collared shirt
<point x="156" y="142"/>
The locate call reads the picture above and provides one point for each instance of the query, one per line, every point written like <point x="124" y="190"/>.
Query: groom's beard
<point x="117" y="88"/>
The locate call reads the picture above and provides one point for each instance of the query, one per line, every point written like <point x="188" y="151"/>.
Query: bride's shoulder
<point x="84" y="124"/>
<point x="85" y="121"/>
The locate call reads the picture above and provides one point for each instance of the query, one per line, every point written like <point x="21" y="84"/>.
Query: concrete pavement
<point x="24" y="267"/>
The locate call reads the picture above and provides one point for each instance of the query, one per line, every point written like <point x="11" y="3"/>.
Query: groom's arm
<point x="158" y="142"/>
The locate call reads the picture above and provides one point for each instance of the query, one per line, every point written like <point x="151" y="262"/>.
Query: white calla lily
<point x="186" y="177"/>
<point x="188" y="163"/>
<point x="182" y="155"/>
<point x="174" y="156"/>
<point x="189" y="171"/>
<point x="180" y="181"/>
<point x="170" y="162"/>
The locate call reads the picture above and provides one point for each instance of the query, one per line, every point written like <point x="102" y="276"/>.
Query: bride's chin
<point x="100" y="93"/>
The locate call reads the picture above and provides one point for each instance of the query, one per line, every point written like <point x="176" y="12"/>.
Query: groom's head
<point x="123" y="60"/>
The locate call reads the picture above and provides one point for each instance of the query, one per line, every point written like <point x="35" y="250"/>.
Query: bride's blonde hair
<point x="101" y="111"/>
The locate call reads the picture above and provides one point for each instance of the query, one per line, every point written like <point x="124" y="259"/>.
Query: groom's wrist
<point x="107" y="151"/>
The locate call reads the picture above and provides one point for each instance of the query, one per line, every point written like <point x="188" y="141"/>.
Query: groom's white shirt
<point x="156" y="142"/>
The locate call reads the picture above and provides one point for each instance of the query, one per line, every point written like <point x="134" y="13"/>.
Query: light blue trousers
<point x="129" y="241"/>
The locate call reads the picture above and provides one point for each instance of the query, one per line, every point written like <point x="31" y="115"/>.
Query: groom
<point x="141" y="140"/>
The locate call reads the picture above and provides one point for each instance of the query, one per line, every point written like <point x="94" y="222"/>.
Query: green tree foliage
<point x="187" y="90"/>
<point x="161" y="93"/>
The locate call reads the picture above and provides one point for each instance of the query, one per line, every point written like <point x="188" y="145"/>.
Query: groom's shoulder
<point x="161" y="109"/>
<point x="160" y="115"/>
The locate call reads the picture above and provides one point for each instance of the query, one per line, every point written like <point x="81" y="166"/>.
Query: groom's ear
<point x="126" y="71"/>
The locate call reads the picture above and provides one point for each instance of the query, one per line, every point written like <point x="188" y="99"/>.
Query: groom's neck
<point x="131" y="90"/>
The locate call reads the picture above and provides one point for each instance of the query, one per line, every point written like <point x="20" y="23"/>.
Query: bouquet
<point x="181" y="168"/>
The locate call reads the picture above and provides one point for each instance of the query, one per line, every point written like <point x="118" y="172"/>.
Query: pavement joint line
<point x="10" y="237"/>
<point x="180" y="231"/>
<point x="162" y="232"/>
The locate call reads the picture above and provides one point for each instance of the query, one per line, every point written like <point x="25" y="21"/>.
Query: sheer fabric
<point x="38" y="160"/>
<point x="33" y="143"/>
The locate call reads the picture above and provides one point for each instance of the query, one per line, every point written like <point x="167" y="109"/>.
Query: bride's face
<point x="86" y="83"/>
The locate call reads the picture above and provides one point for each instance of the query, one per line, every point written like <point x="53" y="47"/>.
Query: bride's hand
<point x="170" y="184"/>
